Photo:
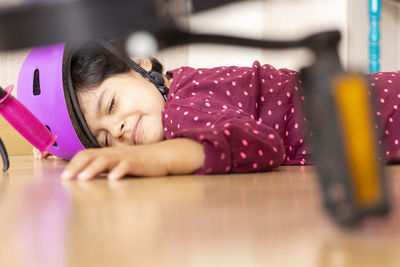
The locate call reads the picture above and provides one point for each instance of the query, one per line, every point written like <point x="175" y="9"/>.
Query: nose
<point x="118" y="131"/>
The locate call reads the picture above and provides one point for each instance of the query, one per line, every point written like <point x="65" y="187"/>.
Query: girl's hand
<point x="38" y="155"/>
<point x="177" y="156"/>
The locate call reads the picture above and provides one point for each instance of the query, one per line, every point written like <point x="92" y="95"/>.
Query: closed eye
<point x="112" y="104"/>
<point x="106" y="140"/>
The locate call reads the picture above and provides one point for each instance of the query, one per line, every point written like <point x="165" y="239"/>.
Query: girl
<point x="219" y="120"/>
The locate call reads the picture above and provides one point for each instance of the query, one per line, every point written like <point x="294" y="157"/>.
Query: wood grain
<point x="264" y="219"/>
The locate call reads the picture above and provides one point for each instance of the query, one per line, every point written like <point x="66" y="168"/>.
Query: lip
<point x="136" y="131"/>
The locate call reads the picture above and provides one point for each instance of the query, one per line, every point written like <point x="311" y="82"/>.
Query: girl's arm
<point x="176" y="156"/>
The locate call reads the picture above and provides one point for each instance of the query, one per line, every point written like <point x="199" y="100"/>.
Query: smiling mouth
<point x="136" y="131"/>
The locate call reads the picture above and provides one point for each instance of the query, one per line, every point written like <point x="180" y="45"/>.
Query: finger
<point x="97" y="166"/>
<point x="119" y="171"/>
<point x="76" y="165"/>
<point x="35" y="152"/>
<point x="44" y="155"/>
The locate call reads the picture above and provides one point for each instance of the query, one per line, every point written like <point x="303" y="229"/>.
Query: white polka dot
<point x="244" y="142"/>
<point x="260" y="152"/>
<point x="245" y="93"/>
<point x="255" y="165"/>
<point x="227" y="132"/>
<point x="234" y="83"/>
<point x="382" y="100"/>
<point x="224" y="107"/>
<point x="185" y="113"/>
<point x="262" y="99"/>
<point x="240" y="104"/>
<point x="269" y="112"/>
<point x="222" y="156"/>
<point x="207" y="104"/>
<point x="271" y="162"/>
<point x="276" y="126"/>
<point x="166" y="116"/>
<point x="196" y="118"/>
<point x="228" y="93"/>
<point x="279" y="102"/>
<point x="243" y="155"/>
<point x="296" y="125"/>
<point x="271" y="136"/>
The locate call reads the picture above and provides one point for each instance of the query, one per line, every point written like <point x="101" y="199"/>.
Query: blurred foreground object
<point x="24" y="122"/>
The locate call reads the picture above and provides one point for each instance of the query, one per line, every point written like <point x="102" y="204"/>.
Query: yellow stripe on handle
<point x="351" y="95"/>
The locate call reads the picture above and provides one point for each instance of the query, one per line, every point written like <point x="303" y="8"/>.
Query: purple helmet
<point x="45" y="88"/>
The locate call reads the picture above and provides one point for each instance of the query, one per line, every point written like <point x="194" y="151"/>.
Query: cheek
<point x="154" y="129"/>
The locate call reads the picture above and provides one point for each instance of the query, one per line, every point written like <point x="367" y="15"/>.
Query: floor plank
<point x="264" y="219"/>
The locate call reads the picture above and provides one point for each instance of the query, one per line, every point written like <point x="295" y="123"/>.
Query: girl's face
<point x="124" y="110"/>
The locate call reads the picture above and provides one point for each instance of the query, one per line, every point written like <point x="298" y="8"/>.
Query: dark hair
<point x="91" y="64"/>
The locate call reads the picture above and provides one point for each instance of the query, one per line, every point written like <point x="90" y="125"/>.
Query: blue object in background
<point x="374" y="35"/>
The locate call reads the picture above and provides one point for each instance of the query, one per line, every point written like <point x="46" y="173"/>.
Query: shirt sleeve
<point x="235" y="145"/>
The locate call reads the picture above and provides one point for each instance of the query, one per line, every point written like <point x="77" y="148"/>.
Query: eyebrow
<point x="100" y="101"/>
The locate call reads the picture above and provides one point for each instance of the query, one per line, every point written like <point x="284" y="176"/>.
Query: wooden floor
<point x="265" y="219"/>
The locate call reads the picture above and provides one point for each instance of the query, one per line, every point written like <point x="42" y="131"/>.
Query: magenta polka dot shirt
<point x="249" y="118"/>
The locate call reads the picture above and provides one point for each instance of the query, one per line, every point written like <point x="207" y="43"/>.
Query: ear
<point x="145" y="63"/>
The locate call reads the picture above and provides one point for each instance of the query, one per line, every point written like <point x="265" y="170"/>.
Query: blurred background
<point x="268" y="19"/>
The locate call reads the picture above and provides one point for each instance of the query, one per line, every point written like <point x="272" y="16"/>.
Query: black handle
<point x="4" y="156"/>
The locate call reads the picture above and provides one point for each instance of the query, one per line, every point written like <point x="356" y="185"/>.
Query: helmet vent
<point x="55" y="143"/>
<point x="36" y="83"/>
